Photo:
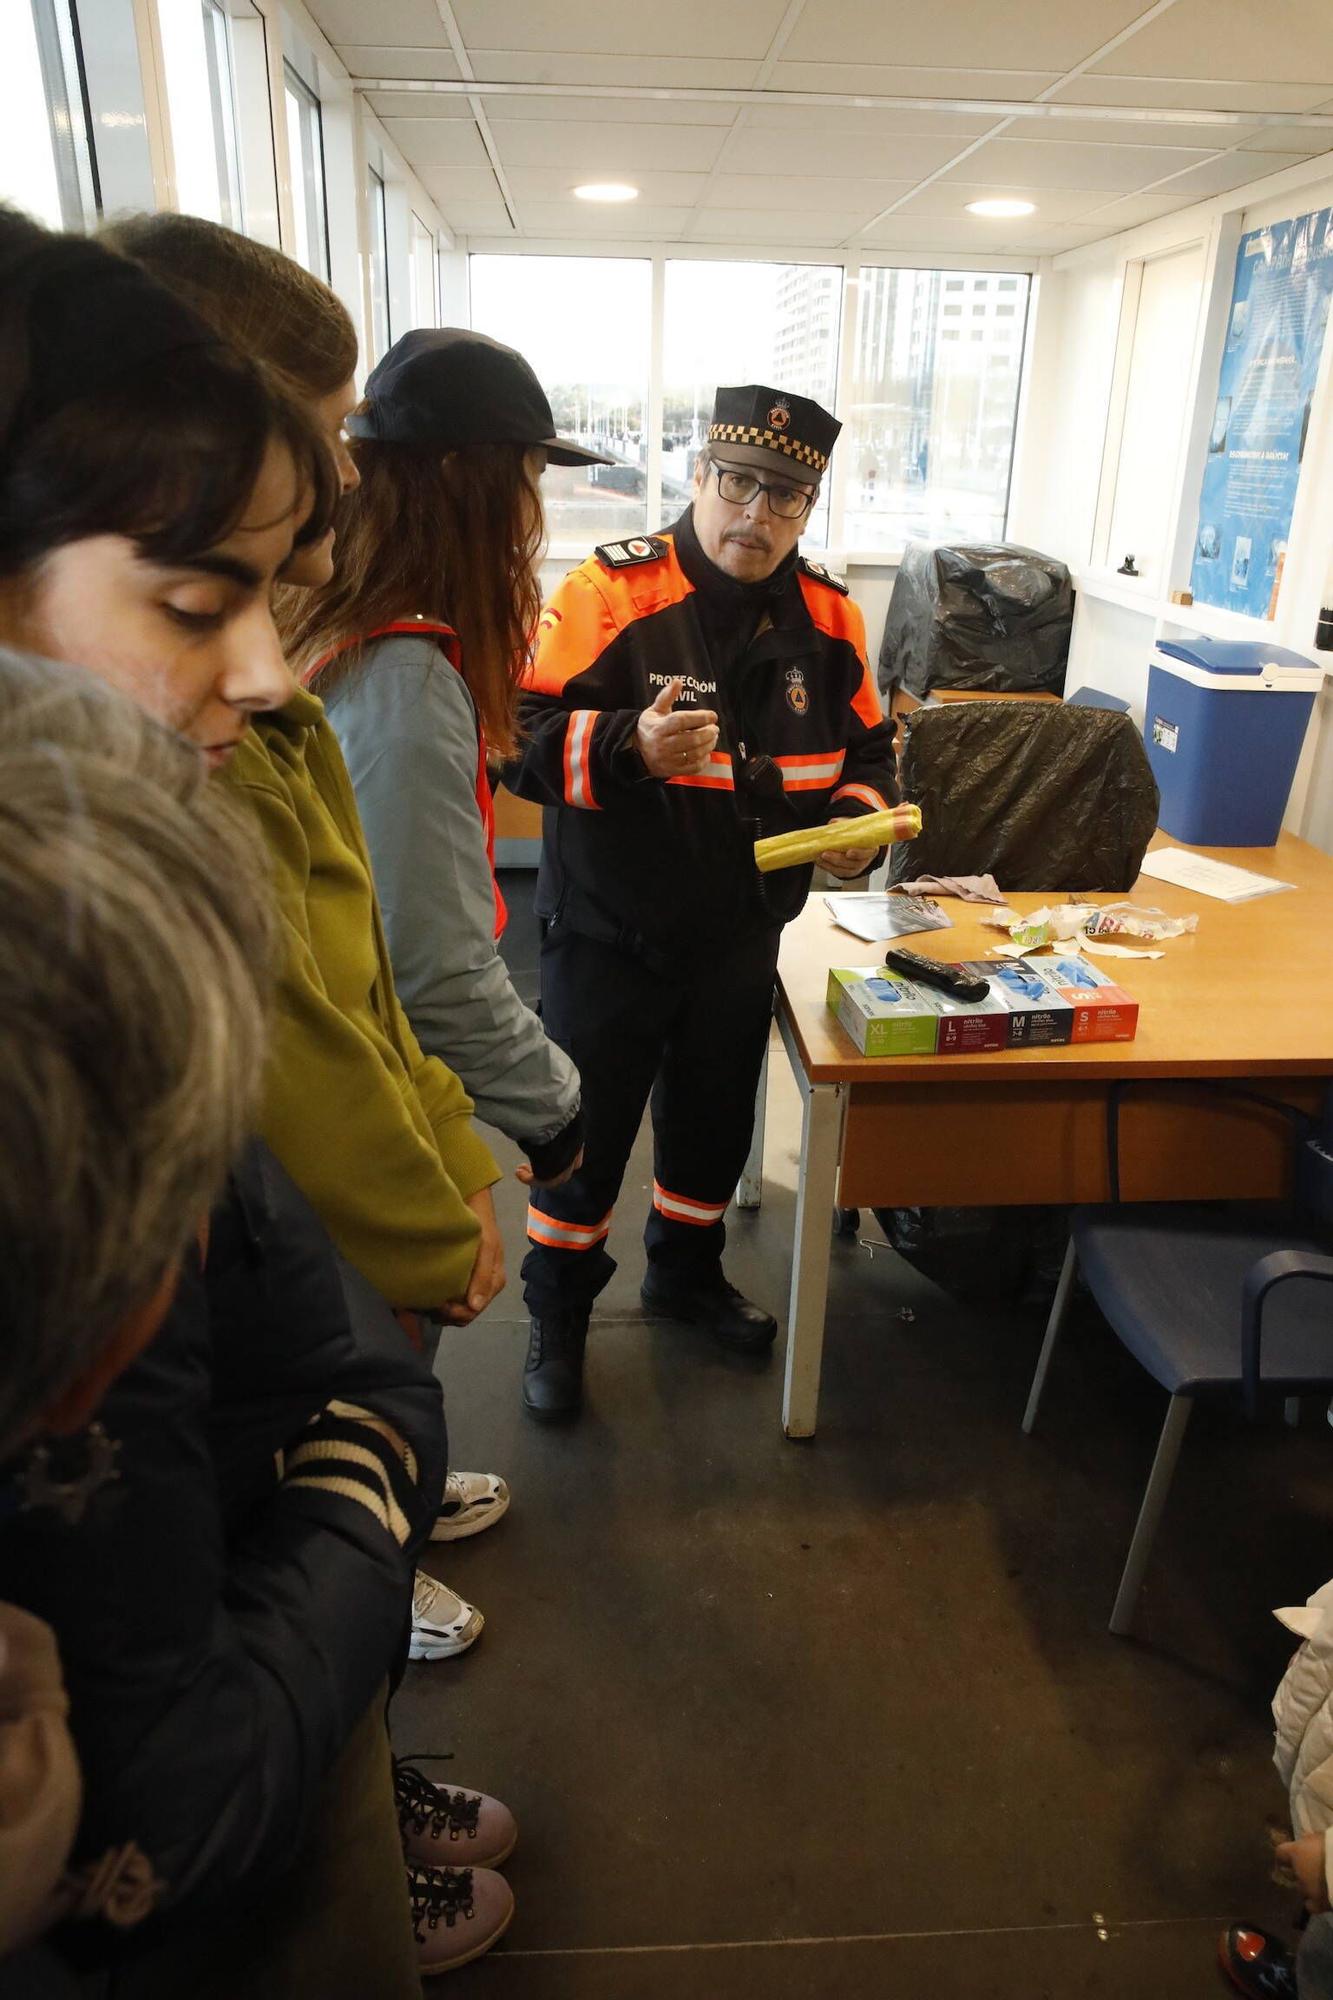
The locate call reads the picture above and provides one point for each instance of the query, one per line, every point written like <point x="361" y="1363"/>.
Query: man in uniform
<point x="691" y="692"/>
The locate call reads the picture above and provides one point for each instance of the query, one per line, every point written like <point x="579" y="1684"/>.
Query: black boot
<point x="553" y="1371"/>
<point x="706" y="1299"/>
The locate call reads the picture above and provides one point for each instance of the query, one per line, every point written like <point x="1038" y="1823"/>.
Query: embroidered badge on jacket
<point x="798" y="697"/>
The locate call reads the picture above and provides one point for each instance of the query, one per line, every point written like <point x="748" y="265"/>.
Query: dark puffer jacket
<point x="230" y="1602"/>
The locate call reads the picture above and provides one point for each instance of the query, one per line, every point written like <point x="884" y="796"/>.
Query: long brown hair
<point x="455" y="538"/>
<point x="262" y="302"/>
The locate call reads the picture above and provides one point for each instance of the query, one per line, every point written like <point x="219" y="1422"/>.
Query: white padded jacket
<point x="1303" y="1715"/>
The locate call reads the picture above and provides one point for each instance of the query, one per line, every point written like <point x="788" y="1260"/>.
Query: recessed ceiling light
<point x="1001" y="207"/>
<point x="607" y="191"/>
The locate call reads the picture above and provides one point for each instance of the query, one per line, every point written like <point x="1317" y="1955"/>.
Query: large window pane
<point x="929" y="434"/>
<point x="726" y="323"/>
<point x="378" y="224"/>
<point x="305" y="142"/>
<point x="46" y="162"/>
<point x="584" y="324"/>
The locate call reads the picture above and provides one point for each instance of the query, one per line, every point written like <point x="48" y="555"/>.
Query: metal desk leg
<point x="821" y="1143"/>
<point x="750" y="1187"/>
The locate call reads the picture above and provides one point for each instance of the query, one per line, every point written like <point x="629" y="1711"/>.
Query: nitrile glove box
<point x="1224" y="726"/>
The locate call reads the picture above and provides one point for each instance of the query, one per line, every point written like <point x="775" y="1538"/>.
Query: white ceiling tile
<point x="801" y="197"/>
<point x="1188" y="93"/>
<point x="438" y="142"/>
<point x="1302" y="142"/>
<point x="409" y="63"/>
<point x="605" y="110"/>
<point x="473" y="218"/>
<point x="934" y="240"/>
<point x="423" y="104"/>
<point x="607" y="152"/>
<point x="808" y="231"/>
<point x="803" y="119"/>
<point x="1052" y="34"/>
<point x="1130" y="210"/>
<point x="576" y="26"/>
<point x="607" y="72"/>
<point x="395" y="22"/>
<point x="849" y="154"/>
<point x="1046" y="163"/>
<point x="1130" y="132"/>
<point x="948" y="200"/>
<point x="1201" y="38"/>
<point x="573" y="219"/>
<point x="1229" y="170"/>
<point x="902" y="80"/>
<point x="448" y="185"/>
<point x="668" y="190"/>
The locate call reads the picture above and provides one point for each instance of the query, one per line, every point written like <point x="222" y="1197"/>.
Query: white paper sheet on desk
<point x="1210" y="878"/>
<point x="875" y="915"/>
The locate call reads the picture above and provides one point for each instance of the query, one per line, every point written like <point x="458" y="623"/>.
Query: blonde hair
<point x="134" y="968"/>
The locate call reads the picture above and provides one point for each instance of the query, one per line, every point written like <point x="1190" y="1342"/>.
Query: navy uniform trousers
<point x="690" y="1033"/>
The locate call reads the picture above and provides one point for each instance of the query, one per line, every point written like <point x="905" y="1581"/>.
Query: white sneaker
<point x="442" y="1622"/>
<point x="473" y="1502"/>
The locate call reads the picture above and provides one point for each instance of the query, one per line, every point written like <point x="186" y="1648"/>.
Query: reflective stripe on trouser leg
<point x="611" y="1017"/>
<point x="703" y="1101"/>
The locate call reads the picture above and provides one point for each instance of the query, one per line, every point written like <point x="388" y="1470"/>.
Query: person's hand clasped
<point x="846" y="862"/>
<point x="1305" y="1858"/>
<point x="529" y="1179"/>
<point x="675" y="745"/>
<point x="488" y="1269"/>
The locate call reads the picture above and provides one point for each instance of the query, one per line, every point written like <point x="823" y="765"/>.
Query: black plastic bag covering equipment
<point x="1043" y="797"/>
<point x="991" y="616"/>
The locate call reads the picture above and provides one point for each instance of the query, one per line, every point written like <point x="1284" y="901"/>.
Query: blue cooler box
<point x="1224" y="726"/>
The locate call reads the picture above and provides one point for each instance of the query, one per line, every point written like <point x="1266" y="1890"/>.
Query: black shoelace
<point x="427" y="1808"/>
<point x="438" y="1894"/>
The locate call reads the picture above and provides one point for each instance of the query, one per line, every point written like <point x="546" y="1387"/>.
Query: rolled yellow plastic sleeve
<point x="870" y="830"/>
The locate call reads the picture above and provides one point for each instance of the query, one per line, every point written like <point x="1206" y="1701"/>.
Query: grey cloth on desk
<point x="408" y="730"/>
<point x="968" y="888"/>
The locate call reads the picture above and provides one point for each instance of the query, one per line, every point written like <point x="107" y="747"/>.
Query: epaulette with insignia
<point x="624" y="555"/>
<point x="820" y="574"/>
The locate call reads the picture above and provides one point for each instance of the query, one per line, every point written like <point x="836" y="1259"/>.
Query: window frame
<point x="310" y="187"/>
<point x="227" y="144"/>
<point x="68" y="112"/>
<point x="377" y="260"/>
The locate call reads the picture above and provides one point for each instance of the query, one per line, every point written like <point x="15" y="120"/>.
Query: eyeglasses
<point x="789" y="503"/>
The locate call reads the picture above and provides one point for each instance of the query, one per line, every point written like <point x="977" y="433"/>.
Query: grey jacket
<point x="408" y="730"/>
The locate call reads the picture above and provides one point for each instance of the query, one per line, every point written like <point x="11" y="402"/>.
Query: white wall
<point x="1065" y="478"/>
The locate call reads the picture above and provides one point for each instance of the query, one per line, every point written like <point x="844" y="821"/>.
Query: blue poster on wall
<point x="1275" y="334"/>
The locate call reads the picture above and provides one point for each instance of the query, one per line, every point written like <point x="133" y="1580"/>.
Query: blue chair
<point x="1206" y="1299"/>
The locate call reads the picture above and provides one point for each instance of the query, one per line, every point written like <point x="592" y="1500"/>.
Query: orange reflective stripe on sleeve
<point x="811" y="774"/>
<point x="866" y="795"/>
<point x="553" y="1234"/>
<point x="578" y="758"/>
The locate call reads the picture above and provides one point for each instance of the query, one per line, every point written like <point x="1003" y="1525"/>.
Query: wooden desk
<point x="1249" y="995"/>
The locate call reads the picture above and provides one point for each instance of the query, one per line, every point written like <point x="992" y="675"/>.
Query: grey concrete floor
<point x="780" y="1719"/>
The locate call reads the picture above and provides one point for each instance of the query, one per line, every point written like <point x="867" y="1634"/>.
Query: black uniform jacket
<point x="669" y="863"/>
<point x="229" y="1604"/>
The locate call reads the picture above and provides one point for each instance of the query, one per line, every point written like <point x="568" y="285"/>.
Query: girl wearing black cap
<point x="417" y="648"/>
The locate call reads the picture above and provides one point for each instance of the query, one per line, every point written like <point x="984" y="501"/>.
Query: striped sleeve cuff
<point x="863" y="795"/>
<point x="351" y="1452"/>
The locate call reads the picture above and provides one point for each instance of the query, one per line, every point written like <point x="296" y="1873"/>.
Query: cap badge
<point x="779" y="417"/>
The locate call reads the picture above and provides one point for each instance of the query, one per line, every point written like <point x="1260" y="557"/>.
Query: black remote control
<point x="950" y="979"/>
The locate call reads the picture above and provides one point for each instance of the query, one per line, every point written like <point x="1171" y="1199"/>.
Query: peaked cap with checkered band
<point x="757" y="426"/>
